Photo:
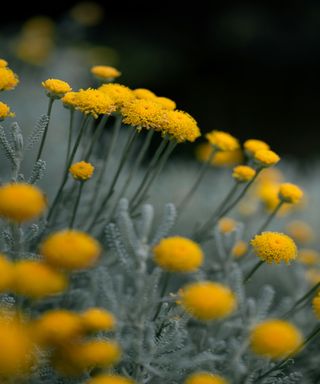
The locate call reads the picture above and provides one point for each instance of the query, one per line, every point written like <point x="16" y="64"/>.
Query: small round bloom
<point x="316" y="305"/>
<point x="227" y="224"/>
<point x="222" y="141"/>
<point x="8" y="79"/>
<point x="243" y="173"/>
<point x="300" y="231"/>
<point x="6" y="273"/>
<point x="166" y="103"/>
<point x="36" y="280"/>
<point x="239" y="249"/>
<point x="105" y="72"/>
<point x="118" y="93"/>
<point x="274" y="247"/>
<point x="3" y="63"/>
<point x="180" y="125"/>
<point x="178" y="254"/>
<point x="308" y="256"/>
<point x="251" y="146"/>
<point x="21" y="202"/>
<point x="81" y="171"/>
<point x="266" y="158"/>
<point x="69" y="100"/>
<point x="206" y="300"/>
<point x="110" y="379"/>
<point x="98" y="319"/>
<point x="290" y="193"/>
<point x="275" y="339"/>
<point x="146" y="94"/>
<point x="70" y="249"/>
<point x="205" y="378"/>
<point x="56" y="88"/>
<point x="5" y="111"/>
<point x="220" y="159"/>
<point x="56" y="327"/>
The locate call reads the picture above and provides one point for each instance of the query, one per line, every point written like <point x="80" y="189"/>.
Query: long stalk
<point x="76" y="205"/>
<point x="44" y="136"/>
<point x="97" y="133"/>
<point x="253" y="270"/>
<point x="70" y="135"/>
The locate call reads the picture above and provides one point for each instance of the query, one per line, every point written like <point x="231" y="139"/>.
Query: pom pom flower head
<point x="81" y="171"/>
<point x="105" y="72"/>
<point x="275" y="339"/>
<point x="243" y="173"/>
<point x="8" y="79"/>
<point x="110" y="379"/>
<point x="227" y="225"/>
<point x="97" y="319"/>
<point x="5" y="111"/>
<point x="56" y="88"/>
<point x="21" y="202"/>
<point x="180" y="126"/>
<point x="251" y="146"/>
<point x="3" y="63"/>
<point x="274" y="247"/>
<point x="266" y="158"/>
<point x="207" y="300"/>
<point x="316" y="305"/>
<point x="205" y="378"/>
<point x="222" y="141"/>
<point x="118" y="93"/>
<point x="178" y="254"/>
<point x="290" y="193"/>
<point x="143" y="114"/>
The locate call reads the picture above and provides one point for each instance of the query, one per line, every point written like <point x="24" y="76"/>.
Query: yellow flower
<point x="17" y="354"/>
<point x="290" y="193"/>
<point x="118" y="93"/>
<point x="252" y="146"/>
<point x="36" y="280"/>
<point x="142" y="93"/>
<point x="222" y="141"/>
<point x="226" y="224"/>
<point x="178" y="254"/>
<point x="98" y="319"/>
<point x="239" y="249"/>
<point x="220" y="159"/>
<point x="205" y="378"/>
<point x="274" y="247"/>
<point x="110" y="379"/>
<point x="105" y="72"/>
<point x="56" y="88"/>
<point x="316" y="305"/>
<point x="300" y="231"/>
<point x="5" y="111"/>
<point x="308" y="256"/>
<point x="146" y="94"/>
<point x="56" y="327"/>
<point x="6" y="273"/>
<point x="142" y="114"/>
<point x="275" y="339"/>
<point x="243" y="173"/>
<point x="179" y="125"/>
<point x="166" y="103"/>
<point x="8" y="79"/>
<point x="21" y="202"/>
<point x="90" y="102"/>
<point x="81" y="171"/>
<point x="266" y="158"/>
<point x="70" y="249"/>
<point x="3" y="63"/>
<point x="206" y="300"/>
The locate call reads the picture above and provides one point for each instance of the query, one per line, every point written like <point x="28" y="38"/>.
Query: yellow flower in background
<point x="37" y="280"/>
<point x="290" y="193"/>
<point x="300" y="231"/>
<point x="205" y="378"/>
<point x="87" y="13"/>
<point x="105" y="72"/>
<point x="56" y="88"/>
<point x="222" y="141"/>
<point x="313" y="276"/>
<point x="98" y="319"/>
<point x="274" y="247"/>
<point x="143" y="114"/>
<point x="251" y="146"/>
<point x="227" y="224"/>
<point x="81" y="171"/>
<point x="243" y="173"/>
<point x="118" y="93"/>
<point x="309" y="256"/>
<point x="239" y="249"/>
<point x="70" y="249"/>
<point x="8" y="79"/>
<point x="110" y="379"/>
<point x="180" y="126"/>
<point x="6" y="273"/>
<point x="178" y="254"/>
<point x="266" y="158"/>
<point x="5" y="111"/>
<point x="316" y="305"/>
<point x="275" y="339"/>
<point x="220" y="159"/>
<point x="146" y="94"/>
<point x="206" y="300"/>
<point x="21" y="202"/>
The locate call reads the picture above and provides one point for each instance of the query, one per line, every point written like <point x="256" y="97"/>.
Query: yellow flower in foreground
<point x="17" y="354"/>
<point x="110" y="379"/>
<point x="21" y="202"/>
<point x="180" y="125"/>
<point x="70" y="249"/>
<point x="222" y="141"/>
<point x="205" y="378"/>
<point x="81" y="171"/>
<point x="290" y="193"/>
<point x="227" y="224"/>
<point x="251" y="146"/>
<point x="3" y="63"/>
<point x="166" y="103"/>
<point x="316" y="305"/>
<point x="57" y="326"/>
<point x="118" y="93"/>
<point x="274" y="247"/>
<point x="98" y="319"/>
<point x="207" y="300"/>
<point x="8" y="79"/>
<point x="309" y="256"/>
<point x="142" y="93"/>
<point x="266" y="158"/>
<point x="69" y="100"/>
<point x="6" y="273"/>
<point x="178" y="254"/>
<point x="239" y="249"/>
<point x="275" y="339"/>
<point x="300" y="231"/>
<point x="243" y="173"/>
<point x="56" y="88"/>
<point x="105" y="72"/>
<point x="5" y="111"/>
<point x="36" y="280"/>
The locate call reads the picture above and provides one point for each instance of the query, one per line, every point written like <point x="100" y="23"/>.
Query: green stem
<point x="75" y="208"/>
<point x="51" y="100"/>
<point x="97" y="133"/>
<point x="166" y="279"/>
<point x="270" y="217"/>
<point x="70" y="135"/>
<point x="253" y="270"/>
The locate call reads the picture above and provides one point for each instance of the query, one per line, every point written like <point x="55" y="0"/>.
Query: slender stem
<point x="51" y="100"/>
<point x="203" y="170"/>
<point x="76" y="205"/>
<point x="70" y="135"/>
<point x="253" y="270"/>
<point x="166" y="279"/>
<point x="270" y="217"/>
<point x="97" y="133"/>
